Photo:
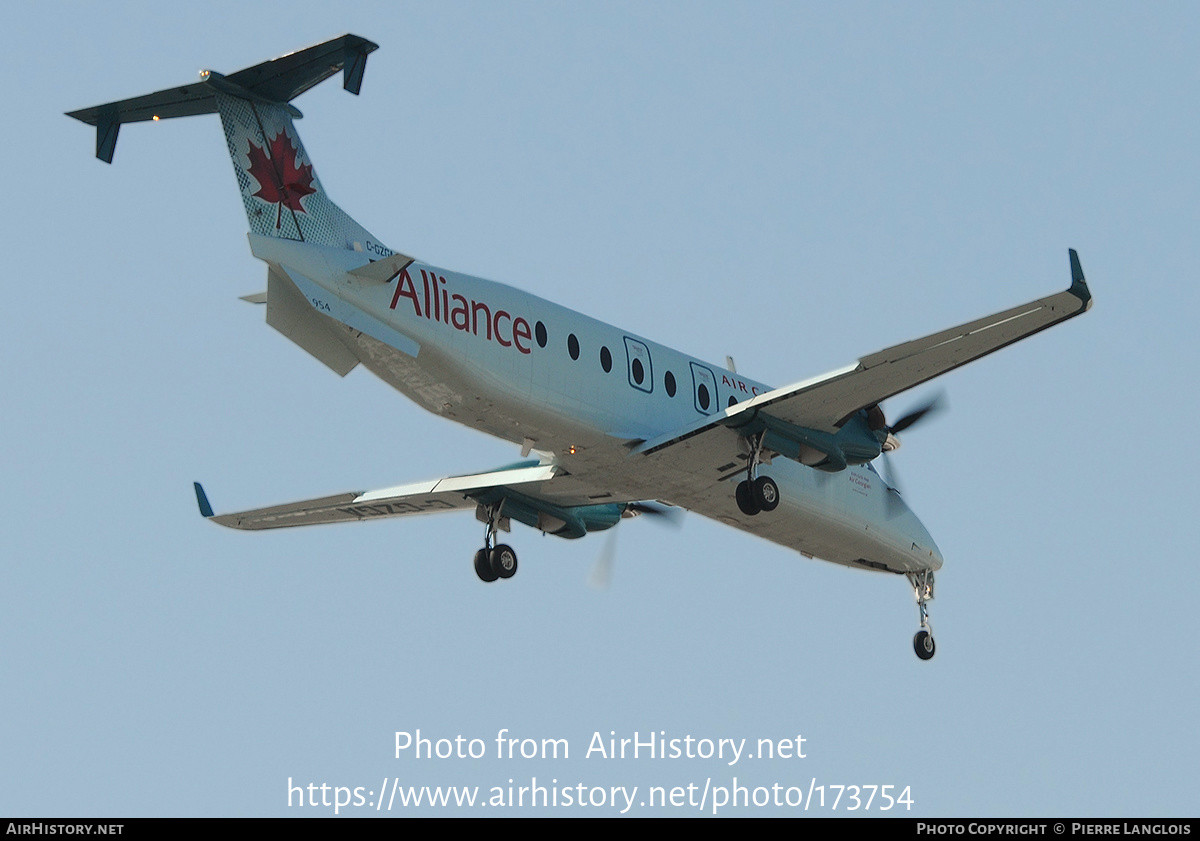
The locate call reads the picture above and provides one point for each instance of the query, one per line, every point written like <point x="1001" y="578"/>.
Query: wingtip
<point x="1079" y="287"/>
<point x="202" y="500"/>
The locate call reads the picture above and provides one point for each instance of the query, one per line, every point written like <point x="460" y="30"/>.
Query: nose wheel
<point x="495" y="560"/>
<point x="923" y="645"/>
<point x="922" y="584"/>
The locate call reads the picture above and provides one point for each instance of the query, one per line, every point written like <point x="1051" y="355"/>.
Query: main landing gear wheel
<point x="766" y="493"/>
<point x="756" y="493"/>
<point x="483" y="566"/>
<point x="923" y="645"/>
<point x="744" y="494"/>
<point x="504" y="561"/>
<point x="495" y="560"/>
<point x="760" y="495"/>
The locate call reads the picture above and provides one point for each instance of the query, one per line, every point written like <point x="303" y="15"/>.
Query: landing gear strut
<point x="922" y="584"/>
<point x="756" y="493"/>
<point x="494" y="560"/>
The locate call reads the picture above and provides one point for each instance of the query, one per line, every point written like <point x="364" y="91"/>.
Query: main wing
<point x="539" y="495"/>
<point x="450" y="494"/>
<point x="823" y="404"/>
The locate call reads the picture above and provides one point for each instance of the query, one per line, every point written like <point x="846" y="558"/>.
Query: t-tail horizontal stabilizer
<point x="282" y="195"/>
<point x="275" y="82"/>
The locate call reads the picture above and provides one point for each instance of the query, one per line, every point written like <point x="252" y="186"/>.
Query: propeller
<point x="602" y="570"/>
<point x="887" y="470"/>
<point x="889" y="475"/>
<point x="601" y="575"/>
<point x="935" y="405"/>
<point x="931" y="407"/>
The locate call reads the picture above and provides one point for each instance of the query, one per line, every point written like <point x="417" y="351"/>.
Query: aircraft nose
<point x="928" y="544"/>
<point x="925" y="544"/>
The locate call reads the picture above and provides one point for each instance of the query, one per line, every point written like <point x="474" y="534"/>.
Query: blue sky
<point x="793" y="185"/>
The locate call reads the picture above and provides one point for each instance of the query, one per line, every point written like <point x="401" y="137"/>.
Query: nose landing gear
<point x="922" y="584"/>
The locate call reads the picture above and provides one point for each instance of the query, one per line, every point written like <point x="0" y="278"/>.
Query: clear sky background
<point x="793" y="185"/>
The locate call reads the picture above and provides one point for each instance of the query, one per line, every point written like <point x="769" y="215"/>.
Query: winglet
<point x="354" y="62"/>
<point x="1079" y="287"/>
<point x="202" y="501"/>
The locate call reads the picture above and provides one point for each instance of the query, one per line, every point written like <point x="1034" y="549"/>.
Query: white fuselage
<point x="529" y="371"/>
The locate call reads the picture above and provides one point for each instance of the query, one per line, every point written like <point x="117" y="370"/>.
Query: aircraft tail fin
<point x="281" y="192"/>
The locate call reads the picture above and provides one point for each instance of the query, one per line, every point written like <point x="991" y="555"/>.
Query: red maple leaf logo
<point x="280" y="180"/>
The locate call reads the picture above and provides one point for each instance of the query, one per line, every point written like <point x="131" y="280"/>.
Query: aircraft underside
<point x="613" y="420"/>
<point x="823" y="516"/>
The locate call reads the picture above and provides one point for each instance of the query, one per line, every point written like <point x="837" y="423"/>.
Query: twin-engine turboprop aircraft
<point x="607" y="421"/>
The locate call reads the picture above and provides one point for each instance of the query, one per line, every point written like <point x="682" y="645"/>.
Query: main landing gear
<point x="756" y="493"/>
<point x="922" y="583"/>
<point x="494" y="560"/>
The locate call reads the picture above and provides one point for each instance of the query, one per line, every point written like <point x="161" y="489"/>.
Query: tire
<point x="766" y="493"/>
<point x="483" y="567"/>
<point x="745" y="499"/>
<point x="923" y="645"/>
<point x="504" y="561"/>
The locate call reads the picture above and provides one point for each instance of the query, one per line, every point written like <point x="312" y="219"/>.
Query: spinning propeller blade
<point x="602" y="570"/>
<point x="937" y="404"/>
<point x="887" y="470"/>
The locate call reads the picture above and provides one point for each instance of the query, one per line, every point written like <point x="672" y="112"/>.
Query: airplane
<point x="610" y="424"/>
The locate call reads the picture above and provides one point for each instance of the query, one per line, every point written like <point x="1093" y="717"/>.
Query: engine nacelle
<point x="854" y="443"/>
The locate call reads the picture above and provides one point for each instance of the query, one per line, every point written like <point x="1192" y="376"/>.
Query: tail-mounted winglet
<point x="354" y="64"/>
<point x="202" y="501"/>
<point x="107" y="126"/>
<point x="1079" y="287"/>
<point x="278" y="81"/>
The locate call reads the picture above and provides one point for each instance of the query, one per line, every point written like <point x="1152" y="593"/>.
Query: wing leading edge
<point x="450" y="494"/>
<point x="523" y="492"/>
<point x="823" y="404"/>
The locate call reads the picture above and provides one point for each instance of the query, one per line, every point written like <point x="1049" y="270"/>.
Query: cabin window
<point x="669" y="382"/>
<point x="704" y="389"/>
<point x="605" y="359"/>
<point x="641" y="374"/>
<point x="573" y="346"/>
<point x="539" y="331"/>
